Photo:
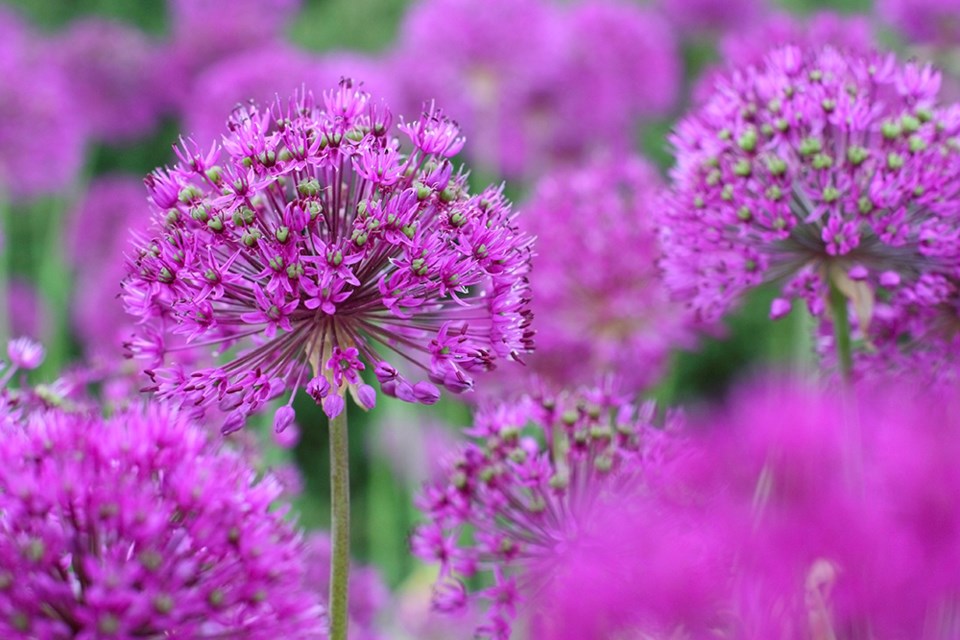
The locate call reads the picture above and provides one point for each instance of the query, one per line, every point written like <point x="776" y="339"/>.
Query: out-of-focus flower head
<point x="260" y="75"/>
<point x="98" y="236"/>
<point x="923" y="21"/>
<point x="368" y="593"/>
<point x="694" y="17"/>
<point x="114" y="74"/>
<point x="535" y="82"/>
<point x="138" y="526"/>
<point x="525" y="489"/>
<point x="203" y="32"/>
<point x="499" y="61"/>
<point x="601" y="307"/>
<point x="794" y="512"/>
<point x="28" y="313"/>
<point x="42" y="133"/>
<point x="312" y="235"/>
<point x="414" y="447"/>
<point x="817" y="167"/>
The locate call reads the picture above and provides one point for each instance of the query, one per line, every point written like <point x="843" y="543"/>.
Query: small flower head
<point x="320" y="248"/>
<point x="526" y="488"/>
<point x="813" y="168"/>
<point x="139" y="526"/>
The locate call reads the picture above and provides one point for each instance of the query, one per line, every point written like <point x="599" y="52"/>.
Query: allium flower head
<point x="814" y="167"/>
<point x="697" y="16"/>
<point x="923" y="21"/>
<point x="37" y="117"/>
<point x="313" y="235"/>
<point x="138" y="526"/>
<point x="114" y="72"/>
<point x="527" y="494"/>
<point x="601" y="307"/>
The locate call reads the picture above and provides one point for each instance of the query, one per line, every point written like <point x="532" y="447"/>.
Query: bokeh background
<point x="158" y="71"/>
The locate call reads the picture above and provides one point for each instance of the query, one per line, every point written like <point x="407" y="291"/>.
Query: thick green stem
<point x="841" y="332"/>
<point x="339" y="527"/>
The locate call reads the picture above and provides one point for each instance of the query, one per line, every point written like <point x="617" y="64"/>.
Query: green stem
<point x="841" y="332"/>
<point x="5" y="300"/>
<point x="339" y="527"/>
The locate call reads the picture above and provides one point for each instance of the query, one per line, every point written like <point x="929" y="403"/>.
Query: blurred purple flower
<point x="601" y="307"/>
<point x="312" y="234"/>
<point x="923" y="21"/>
<point x="696" y="17"/>
<point x="815" y="167"/>
<point x="115" y="77"/>
<point x="28" y="312"/>
<point x="38" y="117"/>
<point x="139" y="526"/>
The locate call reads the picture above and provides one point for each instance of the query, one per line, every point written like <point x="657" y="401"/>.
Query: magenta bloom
<point x="314" y="237"/>
<point x="38" y="118"/>
<point x="601" y="307"/>
<point x="813" y="167"/>
<point x="526" y="502"/>
<point x="923" y="21"/>
<point x="138" y="526"/>
<point x="715" y="16"/>
<point x="114" y="72"/>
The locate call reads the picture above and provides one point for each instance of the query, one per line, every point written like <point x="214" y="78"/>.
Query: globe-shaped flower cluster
<point x="139" y="526"/>
<point x="317" y="235"/>
<point x="817" y="169"/>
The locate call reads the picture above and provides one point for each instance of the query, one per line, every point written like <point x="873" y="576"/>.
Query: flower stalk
<point x="339" y="526"/>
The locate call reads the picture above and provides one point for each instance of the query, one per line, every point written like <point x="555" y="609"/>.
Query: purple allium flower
<point x="526" y="494"/>
<point x="260" y="75"/>
<point x="138" y="526"/>
<point x="621" y="64"/>
<point x="534" y="81"/>
<point x="793" y="513"/>
<point x="114" y="72"/>
<point x="815" y="167"/>
<point x="751" y="42"/>
<point x="601" y="307"/>
<point x="715" y="16"/>
<point x="368" y="593"/>
<point x="923" y="21"/>
<point x="315" y="236"/>
<point x="37" y="117"/>
<point x="98" y="234"/>
<point x="499" y="63"/>
<point x="205" y="31"/>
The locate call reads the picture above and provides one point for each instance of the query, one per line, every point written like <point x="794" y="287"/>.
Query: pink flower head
<point x="923" y="21"/>
<point x="114" y="72"/>
<point x="527" y="493"/>
<point x="38" y="117"/>
<point x="794" y="512"/>
<point x="314" y="237"/>
<point x="140" y="526"/>
<point x="693" y="17"/>
<point x="807" y="168"/>
<point x="601" y="307"/>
